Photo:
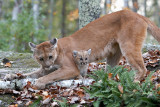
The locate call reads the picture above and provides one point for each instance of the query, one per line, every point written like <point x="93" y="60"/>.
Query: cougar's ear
<point x="89" y="51"/>
<point x="32" y="46"/>
<point x="75" y="53"/>
<point x="54" y="42"/>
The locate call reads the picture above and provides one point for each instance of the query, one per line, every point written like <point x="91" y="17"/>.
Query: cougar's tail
<point x="152" y="28"/>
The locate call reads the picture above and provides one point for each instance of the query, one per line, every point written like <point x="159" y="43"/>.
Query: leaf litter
<point x="76" y="94"/>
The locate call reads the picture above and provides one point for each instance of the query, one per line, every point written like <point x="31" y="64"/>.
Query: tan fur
<point x="81" y="59"/>
<point x="111" y="36"/>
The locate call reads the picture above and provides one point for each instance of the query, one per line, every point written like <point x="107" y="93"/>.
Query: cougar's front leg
<point x="41" y="72"/>
<point x="65" y="72"/>
<point x="35" y="74"/>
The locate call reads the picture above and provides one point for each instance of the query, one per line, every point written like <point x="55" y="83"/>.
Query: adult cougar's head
<point x="45" y="53"/>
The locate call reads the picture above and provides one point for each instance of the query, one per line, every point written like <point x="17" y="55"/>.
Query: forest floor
<point x="24" y="62"/>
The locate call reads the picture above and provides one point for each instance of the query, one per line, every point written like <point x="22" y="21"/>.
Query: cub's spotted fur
<point x="81" y="59"/>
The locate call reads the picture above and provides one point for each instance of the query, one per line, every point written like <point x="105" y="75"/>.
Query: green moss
<point x="20" y="60"/>
<point x="6" y="100"/>
<point x="17" y="56"/>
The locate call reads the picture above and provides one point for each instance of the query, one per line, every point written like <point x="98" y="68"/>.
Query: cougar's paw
<point x="39" y="85"/>
<point x="9" y="77"/>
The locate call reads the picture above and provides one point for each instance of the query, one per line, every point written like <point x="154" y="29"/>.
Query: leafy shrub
<point x="15" y="35"/>
<point x="5" y="34"/>
<point x="24" y="31"/>
<point x="121" y="92"/>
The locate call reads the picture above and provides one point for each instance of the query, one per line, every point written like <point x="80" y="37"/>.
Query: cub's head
<point x="45" y="53"/>
<point x="81" y="57"/>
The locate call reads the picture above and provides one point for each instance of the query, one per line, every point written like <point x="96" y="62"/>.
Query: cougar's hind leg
<point x="133" y="56"/>
<point x="130" y="41"/>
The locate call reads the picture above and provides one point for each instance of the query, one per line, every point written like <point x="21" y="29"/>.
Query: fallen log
<point x="147" y="47"/>
<point x="19" y="84"/>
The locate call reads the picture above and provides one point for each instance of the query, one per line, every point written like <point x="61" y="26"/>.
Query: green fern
<point x="134" y="94"/>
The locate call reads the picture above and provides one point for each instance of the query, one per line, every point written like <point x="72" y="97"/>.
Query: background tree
<point x="145" y="7"/>
<point x="126" y="4"/>
<point x="51" y="19"/>
<point x="35" y="7"/>
<point x="63" y="25"/>
<point x="135" y="5"/>
<point x="20" y="23"/>
<point x="17" y="9"/>
<point x="89" y="10"/>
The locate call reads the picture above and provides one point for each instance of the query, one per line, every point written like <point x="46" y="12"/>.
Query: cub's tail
<point x="152" y="28"/>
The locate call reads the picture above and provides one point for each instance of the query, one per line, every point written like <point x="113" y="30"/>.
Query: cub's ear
<point x="32" y="46"/>
<point x="89" y="51"/>
<point x="54" y="42"/>
<point x="75" y="53"/>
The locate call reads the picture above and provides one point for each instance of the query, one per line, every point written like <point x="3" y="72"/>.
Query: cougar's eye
<point x="86" y="58"/>
<point x="41" y="59"/>
<point x="50" y="57"/>
<point x="81" y="59"/>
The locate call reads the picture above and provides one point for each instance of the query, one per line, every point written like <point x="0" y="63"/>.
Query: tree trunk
<point x="1" y="3"/>
<point x="145" y="8"/>
<point x="126" y="5"/>
<point x="17" y="9"/>
<point x="35" y="13"/>
<point x="89" y="10"/>
<point x="104" y="8"/>
<point x="63" y="24"/>
<point x="51" y="19"/>
<point x="135" y="5"/>
<point x="157" y="14"/>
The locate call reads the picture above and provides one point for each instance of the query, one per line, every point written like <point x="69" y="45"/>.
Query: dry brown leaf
<point x="8" y="65"/>
<point x="80" y="94"/>
<point x="109" y="75"/>
<point x="153" y="77"/>
<point x="158" y="92"/>
<point x="46" y="101"/>
<point x="157" y="86"/>
<point x="120" y="88"/>
<point x="28" y="103"/>
<point x="16" y="105"/>
<point x="117" y="77"/>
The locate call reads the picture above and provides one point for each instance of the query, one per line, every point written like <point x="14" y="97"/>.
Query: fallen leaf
<point x="158" y="92"/>
<point x="16" y="105"/>
<point x="154" y="77"/>
<point x="6" y="62"/>
<point x="54" y="104"/>
<point x="28" y="103"/>
<point x="82" y="101"/>
<point x="46" y="101"/>
<point x="157" y="86"/>
<point x="109" y="75"/>
<point x="45" y="93"/>
<point x="8" y="65"/>
<point x="120" y="88"/>
<point x="117" y="77"/>
<point x="74" y="99"/>
<point x="16" y="92"/>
